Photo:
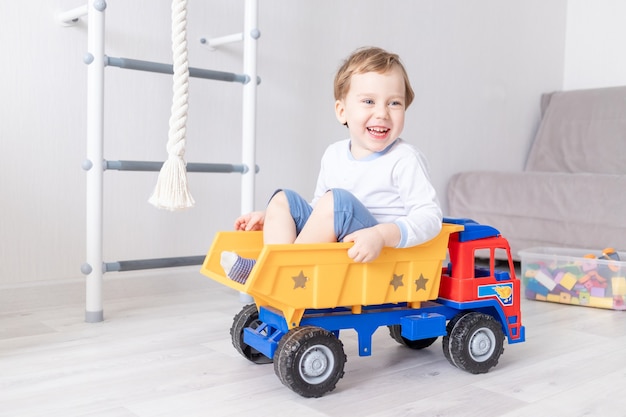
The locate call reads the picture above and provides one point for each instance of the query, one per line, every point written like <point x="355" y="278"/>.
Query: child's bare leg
<point x="320" y="227"/>
<point x="279" y="226"/>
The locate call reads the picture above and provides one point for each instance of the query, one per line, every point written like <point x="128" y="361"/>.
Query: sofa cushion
<point x="544" y="209"/>
<point x="581" y="131"/>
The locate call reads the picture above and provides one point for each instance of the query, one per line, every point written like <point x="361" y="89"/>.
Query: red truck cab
<point x="481" y="269"/>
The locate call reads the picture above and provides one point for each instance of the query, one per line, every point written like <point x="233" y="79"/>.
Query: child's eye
<point x="368" y="101"/>
<point x="395" y="103"/>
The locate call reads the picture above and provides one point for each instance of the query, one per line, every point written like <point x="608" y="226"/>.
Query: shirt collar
<point x="372" y="156"/>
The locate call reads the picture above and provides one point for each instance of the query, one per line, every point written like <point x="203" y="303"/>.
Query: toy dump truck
<point x="305" y="294"/>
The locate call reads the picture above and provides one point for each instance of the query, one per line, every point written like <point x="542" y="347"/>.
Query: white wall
<point x="478" y="69"/>
<point x="596" y="39"/>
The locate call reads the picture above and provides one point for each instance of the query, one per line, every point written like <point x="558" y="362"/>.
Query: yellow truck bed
<point x="295" y="277"/>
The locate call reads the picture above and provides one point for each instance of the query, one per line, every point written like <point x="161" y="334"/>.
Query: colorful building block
<point x="574" y="269"/>
<point x="558" y="276"/>
<point x="554" y="298"/>
<point x="535" y="287"/>
<point x="583" y="296"/>
<point x="611" y="254"/>
<point x="601" y="302"/>
<point x="597" y="292"/>
<point x="545" y="279"/>
<point x="618" y="285"/>
<point x="568" y="280"/>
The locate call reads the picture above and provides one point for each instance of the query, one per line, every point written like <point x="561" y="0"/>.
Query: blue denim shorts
<point x="350" y="214"/>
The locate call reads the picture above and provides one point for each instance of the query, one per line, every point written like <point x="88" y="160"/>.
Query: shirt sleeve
<point x="423" y="219"/>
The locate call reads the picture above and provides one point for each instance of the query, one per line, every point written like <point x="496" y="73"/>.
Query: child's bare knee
<point x="327" y="201"/>
<point x="278" y="200"/>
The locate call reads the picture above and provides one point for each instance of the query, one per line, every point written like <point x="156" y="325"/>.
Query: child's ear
<point x="340" y="112"/>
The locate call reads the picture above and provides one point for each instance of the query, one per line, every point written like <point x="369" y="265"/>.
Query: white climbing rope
<point x="171" y="191"/>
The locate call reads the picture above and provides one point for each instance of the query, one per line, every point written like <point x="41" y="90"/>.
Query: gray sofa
<point x="572" y="192"/>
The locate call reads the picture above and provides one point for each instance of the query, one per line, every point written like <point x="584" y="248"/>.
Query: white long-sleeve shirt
<point x="393" y="184"/>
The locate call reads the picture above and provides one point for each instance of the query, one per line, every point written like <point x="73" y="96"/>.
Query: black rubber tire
<point x="247" y="317"/>
<point x="449" y="327"/>
<point x="395" y="331"/>
<point x="475" y="343"/>
<point x="310" y="361"/>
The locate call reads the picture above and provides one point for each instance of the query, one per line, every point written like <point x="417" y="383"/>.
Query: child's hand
<point x="367" y="244"/>
<point x="251" y="221"/>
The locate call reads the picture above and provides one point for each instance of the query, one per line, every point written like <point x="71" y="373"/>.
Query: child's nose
<point x="382" y="111"/>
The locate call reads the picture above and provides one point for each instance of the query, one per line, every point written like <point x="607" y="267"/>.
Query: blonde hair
<point x="370" y="59"/>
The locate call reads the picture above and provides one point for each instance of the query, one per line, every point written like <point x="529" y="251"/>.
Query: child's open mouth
<point x="379" y="132"/>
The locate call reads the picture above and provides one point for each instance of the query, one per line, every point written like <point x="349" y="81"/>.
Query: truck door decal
<point x="503" y="292"/>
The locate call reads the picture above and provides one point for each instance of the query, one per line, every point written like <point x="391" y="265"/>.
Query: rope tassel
<point x="171" y="191"/>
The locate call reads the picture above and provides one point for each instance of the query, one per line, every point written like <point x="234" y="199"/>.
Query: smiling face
<point x="373" y="109"/>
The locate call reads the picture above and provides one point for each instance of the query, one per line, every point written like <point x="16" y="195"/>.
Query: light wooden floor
<point x="164" y="350"/>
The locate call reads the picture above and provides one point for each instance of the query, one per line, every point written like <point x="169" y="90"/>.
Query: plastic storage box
<point x="591" y="278"/>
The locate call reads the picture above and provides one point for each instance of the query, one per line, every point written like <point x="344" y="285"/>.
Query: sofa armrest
<point x="544" y="208"/>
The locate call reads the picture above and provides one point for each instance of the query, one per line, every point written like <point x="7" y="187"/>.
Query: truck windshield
<point x="484" y="265"/>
